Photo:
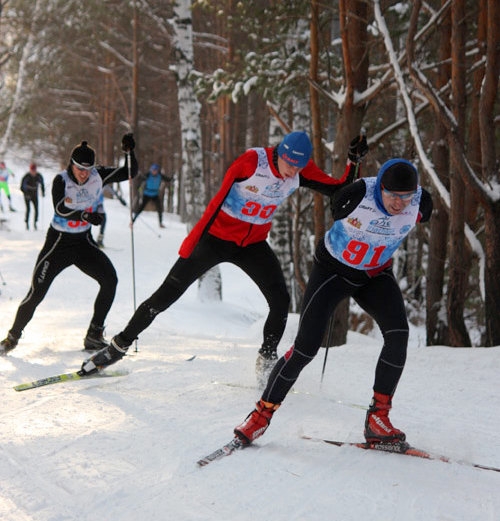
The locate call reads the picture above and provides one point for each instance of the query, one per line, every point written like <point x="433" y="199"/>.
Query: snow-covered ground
<point x="126" y="448"/>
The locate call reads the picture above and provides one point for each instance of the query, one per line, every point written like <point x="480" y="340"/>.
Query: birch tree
<point x="17" y="102"/>
<point x="192" y="183"/>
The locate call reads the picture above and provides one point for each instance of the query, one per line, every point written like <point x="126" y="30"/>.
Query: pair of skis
<point x="402" y="448"/>
<point x="235" y="444"/>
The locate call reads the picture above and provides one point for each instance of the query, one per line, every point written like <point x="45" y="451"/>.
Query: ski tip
<point x="191" y="358"/>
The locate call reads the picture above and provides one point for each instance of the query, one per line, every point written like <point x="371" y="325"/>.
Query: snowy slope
<point x="126" y="448"/>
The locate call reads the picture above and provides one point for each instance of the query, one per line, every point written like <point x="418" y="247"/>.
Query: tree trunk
<point x="492" y="279"/>
<point x="189" y="109"/>
<point x="21" y="76"/>
<point x="317" y="135"/>
<point x="489" y="97"/>
<point x="458" y="269"/>
<point x="353" y="16"/>
<point x="436" y="326"/>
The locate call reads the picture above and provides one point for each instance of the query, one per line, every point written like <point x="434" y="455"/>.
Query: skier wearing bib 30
<point x="371" y="218"/>
<point x="234" y="228"/>
<point x="78" y="203"/>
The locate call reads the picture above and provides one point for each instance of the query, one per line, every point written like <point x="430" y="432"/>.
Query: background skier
<point x="151" y="191"/>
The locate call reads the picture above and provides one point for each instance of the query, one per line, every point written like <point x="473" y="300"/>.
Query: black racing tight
<point x="379" y="296"/>
<point x="60" y="251"/>
<point x="28" y="201"/>
<point x="257" y="260"/>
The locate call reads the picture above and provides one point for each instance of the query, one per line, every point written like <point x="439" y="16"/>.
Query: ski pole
<point x="2" y="279"/>
<point x="328" y="338"/>
<point x="149" y="227"/>
<point x="118" y="196"/>
<point x="129" y="166"/>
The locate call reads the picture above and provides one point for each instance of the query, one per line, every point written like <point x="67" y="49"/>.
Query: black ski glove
<point x="128" y="142"/>
<point x="358" y="149"/>
<point x="94" y="218"/>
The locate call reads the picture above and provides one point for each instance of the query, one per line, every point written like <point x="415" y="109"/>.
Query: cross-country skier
<point x="78" y="204"/>
<point x="151" y="191"/>
<point x="29" y="187"/>
<point x="371" y="218"/>
<point x="234" y="228"/>
<point x="4" y="184"/>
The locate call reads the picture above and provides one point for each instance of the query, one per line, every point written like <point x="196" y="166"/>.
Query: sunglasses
<point x="81" y="167"/>
<point x="404" y="197"/>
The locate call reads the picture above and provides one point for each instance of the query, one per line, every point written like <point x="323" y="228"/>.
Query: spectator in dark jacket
<point x="29" y="187"/>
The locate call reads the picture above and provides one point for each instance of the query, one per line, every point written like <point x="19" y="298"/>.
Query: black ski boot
<point x="265" y="362"/>
<point x="115" y="351"/>
<point x="95" y="339"/>
<point x="7" y="344"/>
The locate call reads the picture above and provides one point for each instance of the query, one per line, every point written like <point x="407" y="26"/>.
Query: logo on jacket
<point x="252" y="188"/>
<point x="82" y="195"/>
<point x="274" y="191"/>
<point x="354" y="222"/>
<point x="381" y="226"/>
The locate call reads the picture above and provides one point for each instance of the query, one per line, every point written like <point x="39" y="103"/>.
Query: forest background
<point x="198" y="82"/>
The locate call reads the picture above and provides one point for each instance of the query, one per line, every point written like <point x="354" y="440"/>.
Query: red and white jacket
<point x="242" y="210"/>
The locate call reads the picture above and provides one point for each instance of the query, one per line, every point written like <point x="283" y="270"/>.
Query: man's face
<point x="396" y="202"/>
<point x="286" y="169"/>
<point x="81" y="173"/>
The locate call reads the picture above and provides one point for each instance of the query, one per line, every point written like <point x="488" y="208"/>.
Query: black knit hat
<point x="400" y="176"/>
<point x="83" y="155"/>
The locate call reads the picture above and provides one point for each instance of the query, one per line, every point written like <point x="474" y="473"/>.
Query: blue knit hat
<point x="295" y="149"/>
<point x="154" y="166"/>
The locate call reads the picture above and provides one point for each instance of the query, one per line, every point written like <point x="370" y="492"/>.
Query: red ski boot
<point x="378" y="426"/>
<point x="256" y="422"/>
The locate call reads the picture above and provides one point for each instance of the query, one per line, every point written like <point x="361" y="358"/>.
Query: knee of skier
<point x="110" y="281"/>
<point x="296" y="360"/>
<point x="395" y="346"/>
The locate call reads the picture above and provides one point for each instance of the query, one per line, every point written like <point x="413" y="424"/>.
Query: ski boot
<point x="256" y="422"/>
<point x="266" y="360"/>
<point x="115" y="351"/>
<point x="378" y="426"/>
<point x="95" y="339"/>
<point x="7" y="344"/>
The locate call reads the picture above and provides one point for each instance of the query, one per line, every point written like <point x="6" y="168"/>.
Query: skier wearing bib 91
<point x="371" y="218"/>
<point x="234" y="228"/>
<point x="78" y="203"/>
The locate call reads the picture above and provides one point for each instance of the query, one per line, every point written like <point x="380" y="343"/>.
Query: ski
<point x="225" y="450"/>
<point x="403" y="448"/>
<point x="65" y="377"/>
